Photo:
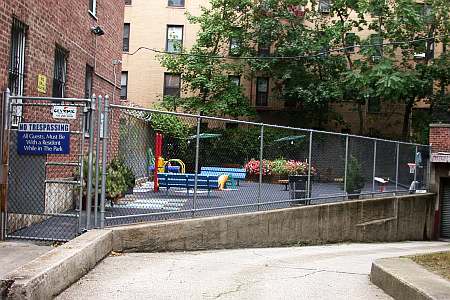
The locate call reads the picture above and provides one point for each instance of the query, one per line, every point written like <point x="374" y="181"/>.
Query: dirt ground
<point x="438" y="263"/>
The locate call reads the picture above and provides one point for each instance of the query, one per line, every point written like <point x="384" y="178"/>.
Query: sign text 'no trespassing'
<point x="43" y="138"/>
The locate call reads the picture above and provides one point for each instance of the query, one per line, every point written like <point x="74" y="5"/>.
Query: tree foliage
<point x="315" y="77"/>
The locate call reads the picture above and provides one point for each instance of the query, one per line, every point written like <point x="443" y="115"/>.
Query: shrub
<point x="355" y="179"/>
<point x="279" y="167"/>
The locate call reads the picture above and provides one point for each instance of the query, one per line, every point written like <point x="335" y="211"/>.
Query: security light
<point x="98" y="31"/>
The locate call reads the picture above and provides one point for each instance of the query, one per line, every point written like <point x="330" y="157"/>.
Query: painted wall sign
<point x="43" y="138"/>
<point x="42" y="83"/>
<point x="64" y="112"/>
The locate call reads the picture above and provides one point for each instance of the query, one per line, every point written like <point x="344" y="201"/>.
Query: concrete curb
<point x="51" y="273"/>
<point x="403" y="279"/>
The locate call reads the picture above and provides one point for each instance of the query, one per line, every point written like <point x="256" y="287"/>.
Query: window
<point x="262" y="91"/>
<point x="235" y="45"/>
<point x="88" y="80"/>
<point x="59" y="73"/>
<point x="174" y="42"/>
<point x="424" y="49"/>
<point x="124" y="86"/>
<point x="350" y="39"/>
<point x="126" y="37"/>
<point x="93" y="7"/>
<point x="374" y="105"/>
<point x="324" y="6"/>
<point x="264" y="49"/>
<point x="426" y="11"/>
<point x="17" y="67"/>
<point x="235" y="79"/>
<point x="325" y="48"/>
<point x="172" y="84"/>
<point x="377" y="46"/>
<point x="176" y="3"/>
<point x="127" y="2"/>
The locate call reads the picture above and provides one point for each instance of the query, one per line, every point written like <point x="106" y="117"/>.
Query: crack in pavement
<point x="237" y="289"/>
<point x="289" y="266"/>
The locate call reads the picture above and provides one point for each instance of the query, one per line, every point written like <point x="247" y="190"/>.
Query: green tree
<point x="304" y="71"/>
<point x="206" y="79"/>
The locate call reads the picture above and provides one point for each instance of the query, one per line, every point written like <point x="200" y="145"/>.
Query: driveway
<point x="316" y="272"/>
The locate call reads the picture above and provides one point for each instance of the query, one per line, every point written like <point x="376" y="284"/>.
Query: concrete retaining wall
<point x="385" y="219"/>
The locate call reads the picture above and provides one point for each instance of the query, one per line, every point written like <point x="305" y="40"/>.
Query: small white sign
<point x="64" y="112"/>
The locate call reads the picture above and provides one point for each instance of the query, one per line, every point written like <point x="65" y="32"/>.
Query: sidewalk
<point x="15" y="254"/>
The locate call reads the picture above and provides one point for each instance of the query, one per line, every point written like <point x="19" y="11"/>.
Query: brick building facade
<point x="66" y="25"/>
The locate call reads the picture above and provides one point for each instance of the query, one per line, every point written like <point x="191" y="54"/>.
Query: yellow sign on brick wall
<point x="42" y="84"/>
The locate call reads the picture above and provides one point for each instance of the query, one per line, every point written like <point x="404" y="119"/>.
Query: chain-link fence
<point x="183" y="165"/>
<point x="106" y="165"/>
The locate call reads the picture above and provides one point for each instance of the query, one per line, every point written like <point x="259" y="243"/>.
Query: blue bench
<point x="169" y="169"/>
<point x="237" y="174"/>
<point x="187" y="181"/>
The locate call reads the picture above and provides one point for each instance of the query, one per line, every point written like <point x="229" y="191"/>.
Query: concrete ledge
<point x="51" y="273"/>
<point x="403" y="279"/>
<point x="386" y="219"/>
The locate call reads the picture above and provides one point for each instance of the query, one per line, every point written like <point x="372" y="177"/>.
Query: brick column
<point x="440" y="137"/>
<point x="440" y="141"/>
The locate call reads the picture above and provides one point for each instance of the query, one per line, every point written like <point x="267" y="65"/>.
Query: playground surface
<point x="317" y="272"/>
<point x="178" y="204"/>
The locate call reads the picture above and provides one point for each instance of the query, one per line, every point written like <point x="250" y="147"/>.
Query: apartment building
<point x="160" y="24"/>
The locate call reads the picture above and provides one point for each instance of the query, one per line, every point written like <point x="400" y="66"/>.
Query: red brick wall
<point x="66" y="23"/>
<point x="440" y="137"/>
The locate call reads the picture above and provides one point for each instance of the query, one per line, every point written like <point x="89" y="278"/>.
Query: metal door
<point x="445" y="210"/>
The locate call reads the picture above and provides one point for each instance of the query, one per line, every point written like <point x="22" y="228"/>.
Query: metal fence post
<point x="261" y="162"/>
<point x="104" y="162"/>
<point x="397" y="162"/>
<point x="197" y="152"/>
<point x="308" y="189"/>
<point x="97" y="159"/>
<point x="81" y="166"/>
<point x="90" y="162"/>
<point x="4" y="160"/>
<point x="346" y="165"/>
<point x="415" y="170"/>
<point x="374" y="165"/>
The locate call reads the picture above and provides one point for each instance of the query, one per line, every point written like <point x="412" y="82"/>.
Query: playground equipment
<point x="163" y="166"/>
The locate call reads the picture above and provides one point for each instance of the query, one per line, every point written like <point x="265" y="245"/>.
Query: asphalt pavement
<point x="314" y="272"/>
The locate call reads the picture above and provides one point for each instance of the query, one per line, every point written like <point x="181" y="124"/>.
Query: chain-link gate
<point x="46" y="185"/>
